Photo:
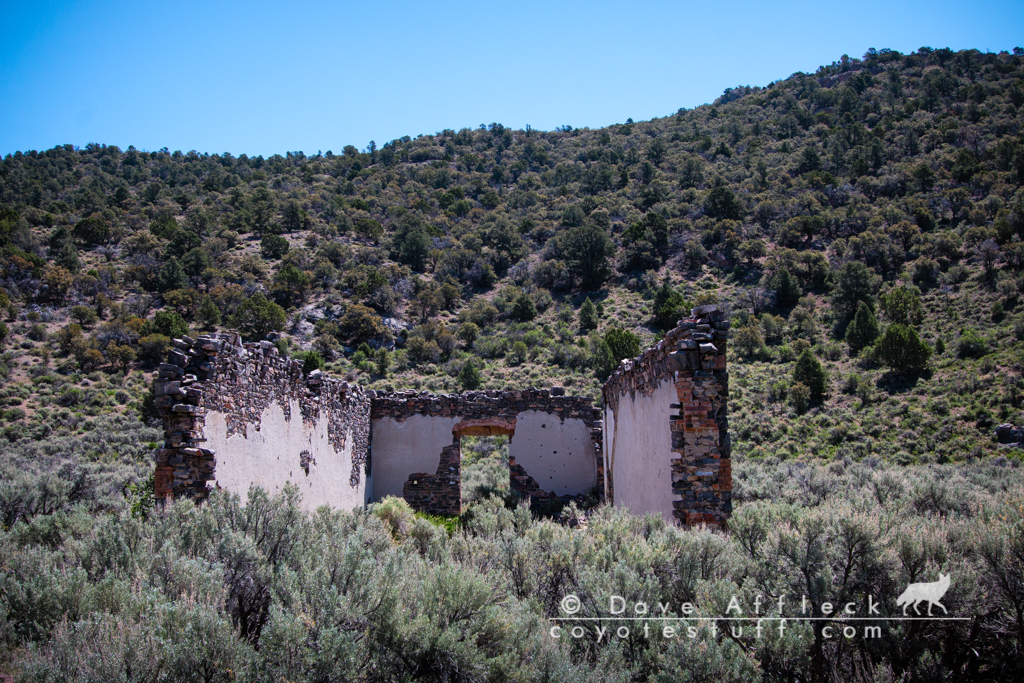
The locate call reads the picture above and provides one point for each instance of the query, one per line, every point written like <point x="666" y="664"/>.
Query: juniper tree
<point x="588" y="316"/>
<point x="623" y="343"/>
<point x="863" y="331"/>
<point x="808" y="371"/>
<point x="469" y="376"/>
<point x="208" y="315"/>
<point x="902" y="351"/>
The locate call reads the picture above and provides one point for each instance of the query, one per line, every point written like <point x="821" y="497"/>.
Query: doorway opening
<point x="485" y="468"/>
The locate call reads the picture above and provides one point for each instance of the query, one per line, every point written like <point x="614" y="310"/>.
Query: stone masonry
<point x="219" y="373"/>
<point x="693" y="355"/>
<point x="494" y="412"/>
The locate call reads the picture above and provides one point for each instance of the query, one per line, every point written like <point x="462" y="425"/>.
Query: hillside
<point x="864" y="226"/>
<point x="482" y="246"/>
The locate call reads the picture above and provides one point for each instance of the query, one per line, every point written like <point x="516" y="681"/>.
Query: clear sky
<point x="269" y="77"/>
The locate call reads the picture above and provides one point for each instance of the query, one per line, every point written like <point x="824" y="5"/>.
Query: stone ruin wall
<point x="216" y="395"/>
<point x="681" y="380"/>
<point x="570" y="423"/>
<point x="238" y="414"/>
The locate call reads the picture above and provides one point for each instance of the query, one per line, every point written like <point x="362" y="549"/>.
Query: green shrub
<point x="84" y="315"/>
<point x="257" y="316"/>
<point x="669" y="306"/>
<point x="311" y="360"/>
<point x="902" y="351"/>
<point x="273" y="246"/>
<point x="382" y="361"/>
<point x="748" y="340"/>
<point x="971" y="345"/>
<point x="469" y="376"/>
<point x="588" y="316"/>
<point x="808" y="372"/>
<point x="603" y="359"/>
<point x="468" y="333"/>
<point x="523" y="308"/>
<point x="208" y="315"/>
<point x="863" y="330"/>
<point x="396" y="513"/>
<point x="800" y="396"/>
<point x="622" y="343"/>
<point x="169" y="324"/>
<point x="517" y="356"/>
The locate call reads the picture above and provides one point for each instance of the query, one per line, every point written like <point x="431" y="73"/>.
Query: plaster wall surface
<point x="276" y="454"/>
<point x="559" y="455"/>
<point x="640" y="456"/>
<point x="400" y="448"/>
<point x="608" y="437"/>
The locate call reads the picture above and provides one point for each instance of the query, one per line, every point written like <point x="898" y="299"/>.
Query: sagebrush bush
<point x="260" y="591"/>
<point x="396" y="513"/>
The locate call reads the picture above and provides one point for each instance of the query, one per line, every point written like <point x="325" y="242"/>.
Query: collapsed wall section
<point x="554" y="447"/>
<point x="239" y="414"/>
<point x="666" y="415"/>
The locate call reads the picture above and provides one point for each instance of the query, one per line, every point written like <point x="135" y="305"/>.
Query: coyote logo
<point x="924" y="592"/>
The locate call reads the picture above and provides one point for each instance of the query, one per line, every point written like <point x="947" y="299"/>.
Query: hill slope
<point x="482" y="246"/>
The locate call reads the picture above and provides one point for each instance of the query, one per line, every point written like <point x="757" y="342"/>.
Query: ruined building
<point x="239" y="414"/>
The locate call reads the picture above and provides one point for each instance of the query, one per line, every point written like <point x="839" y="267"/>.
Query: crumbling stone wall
<point x="687" y="368"/>
<point x="496" y="412"/>
<point x="662" y="445"/>
<point x="217" y="380"/>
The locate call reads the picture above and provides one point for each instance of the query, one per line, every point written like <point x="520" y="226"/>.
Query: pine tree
<point x="171" y="276"/>
<point x="623" y="343"/>
<point x="787" y="290"/>
<point x="523" y="308"/>
<point x="382" y="359"/>
<point x="863" y="331"/>
<point x="604" y="360"/>
<point x="208" y="315"/>
<point x="669" y="306"/>
<point x="256" y="316"/>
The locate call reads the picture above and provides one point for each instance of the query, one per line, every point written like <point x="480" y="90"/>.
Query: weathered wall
<point x="648" y="424"/>
<point x="559" y="454"/>
<point x="640" y="452"/>
<point x="285" y="450"/>
<point x="240" y="414"/>
<point x="402" y="448"/>
<point x="539" y="422"/>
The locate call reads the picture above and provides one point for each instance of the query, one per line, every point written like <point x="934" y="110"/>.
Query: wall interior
<point x="236" y="386"/>
<point x="571" y="421"/>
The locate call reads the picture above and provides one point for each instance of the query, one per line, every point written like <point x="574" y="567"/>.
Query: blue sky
<point x="270" y="77"/>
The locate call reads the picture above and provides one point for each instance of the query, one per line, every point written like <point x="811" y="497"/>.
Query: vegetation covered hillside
<point x="864" y="225"/>
<point x="498" y="257"/>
